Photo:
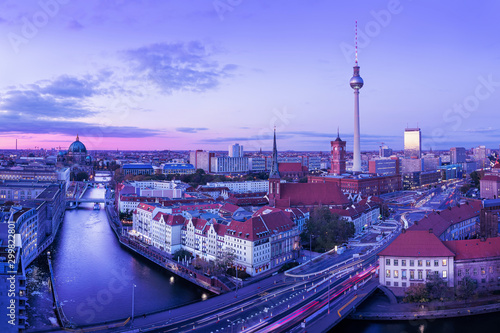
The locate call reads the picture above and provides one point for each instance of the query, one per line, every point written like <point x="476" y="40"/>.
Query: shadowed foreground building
<point x="415" y="254"/>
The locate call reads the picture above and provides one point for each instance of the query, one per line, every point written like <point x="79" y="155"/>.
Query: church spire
<point x="77" y="137"/>
<point x="274" y="162"/>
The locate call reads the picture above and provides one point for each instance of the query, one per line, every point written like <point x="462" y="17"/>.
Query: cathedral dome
<point x="77" y="147"/>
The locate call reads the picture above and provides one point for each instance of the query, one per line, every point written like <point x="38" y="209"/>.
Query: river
<point x="95" y="275"/>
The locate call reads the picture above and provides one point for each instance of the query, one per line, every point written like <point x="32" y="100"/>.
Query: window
<point x="467" y="271"/>
<point x="396" y="284"/>
<point x="444" y="274"/>
<point x="412" y="262"/>
<point x="388" y="273"/>
<point x="428" y="274"/>
<point x="403" y="262"/>
<point x="395" y="262"/>
<point x="420" y="275"/>
<point x="444" y="262"/>
<point x="483" y="270"/>
<point x="388" y="262"/>
<point x="412" y="275"/>
<point x="403" y="274"/>
<point x="388" y="283"/>
<point x="459" y="272"/>
<point x="428" y="263"/>
<point x="396" y="274"/>
<point x="403" y="284"/>
<point x="483" y="280"/>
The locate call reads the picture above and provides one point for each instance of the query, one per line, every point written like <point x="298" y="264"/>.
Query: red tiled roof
<point x="228" y="208"/>
<point x="440" y="221"/>
<point x="494" y="178"/>
<point x="259" y="227"/>
<point x="146" y="207"/>
<point x="474" y="248"/>
<point x="290" y="167"/>
<point x="418" y="243"/>
<point x="169" y="219"/>
<point x="307" y="194"/>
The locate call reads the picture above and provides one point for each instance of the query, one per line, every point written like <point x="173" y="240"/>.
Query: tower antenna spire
<point x="356" y="41"/>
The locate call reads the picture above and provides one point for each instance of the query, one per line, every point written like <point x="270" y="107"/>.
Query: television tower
<point x="356" y="84"/>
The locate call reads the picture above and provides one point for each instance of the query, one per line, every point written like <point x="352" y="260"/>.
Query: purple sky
<point x="202" y="74"/>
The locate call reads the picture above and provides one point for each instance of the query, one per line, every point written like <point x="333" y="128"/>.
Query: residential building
<point x="201" y="159"/>
<point x="457" y="155"/>
<point x="478" y="259"/>
<point x="235" y="150"/>
<point x="242" y="187"/>
<point x="229" y="165"/>
<point x="455" y="223"/>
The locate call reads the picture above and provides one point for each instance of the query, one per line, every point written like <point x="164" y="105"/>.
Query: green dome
<point x="77" y="147"/>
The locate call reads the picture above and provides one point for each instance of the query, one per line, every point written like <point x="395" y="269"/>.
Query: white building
<point x="412" y="257"/>
<point x="143" y="220"/>
<point x="243" y="187"/>
<point x="166" y="232"/>
<point x="229" y="164"/>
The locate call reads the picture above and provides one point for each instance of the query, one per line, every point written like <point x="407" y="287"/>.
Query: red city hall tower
<point x="338" y="156"/>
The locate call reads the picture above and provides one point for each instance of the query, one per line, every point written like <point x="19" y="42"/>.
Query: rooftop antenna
<point x="356" y="42"/>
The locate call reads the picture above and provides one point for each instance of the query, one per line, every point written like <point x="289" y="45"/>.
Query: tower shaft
<point x="356" y="159"/>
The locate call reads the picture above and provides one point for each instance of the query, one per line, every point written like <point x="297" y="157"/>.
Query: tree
<point x="328" y="229"/>
<point x="181" y="254"/>
<point x="467" y="288"/>
<point x="81" y="176"/>
<point x="416" y="294"/>
<point x="303" y="180"/>
<point x="436" y="287"/>
<point x="224" y="261"/>
<point x="475" y="177"/>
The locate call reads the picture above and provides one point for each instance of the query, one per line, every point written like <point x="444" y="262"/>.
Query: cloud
<point x="71" y="86"/>
<point x="190" y="129"/>
<point x="74" y="25"/>
<point x="480" y="130"/>
<point x="38" y="105"/>
<point x="72" y="127"/>
<point x="178" y="66"/>
<point x="57" y="107"/>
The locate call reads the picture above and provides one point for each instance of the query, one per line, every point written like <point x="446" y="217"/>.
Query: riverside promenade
<point x="378" y="308"/>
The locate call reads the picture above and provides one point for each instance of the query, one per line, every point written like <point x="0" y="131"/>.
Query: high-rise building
<point x="201" y="159"/>
<point x="385" y="151"/>
<point x="235" y="150"/>
<point x="413" y="143"/>
<point x="338" y="156"/>
<point x="457" y="155"/>
<point x="356" y="83"/>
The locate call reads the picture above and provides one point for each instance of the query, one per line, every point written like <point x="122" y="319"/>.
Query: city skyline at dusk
<point x="154" y="75"/>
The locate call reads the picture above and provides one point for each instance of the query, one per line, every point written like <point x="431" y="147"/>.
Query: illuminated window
<point x="444" y="274"/>
<point x="388" y="273"/>
<point x="444" y="262"/>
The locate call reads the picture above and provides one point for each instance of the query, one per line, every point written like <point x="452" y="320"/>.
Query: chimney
<point x="430" y="231"/>
<point x="403" y="230"/>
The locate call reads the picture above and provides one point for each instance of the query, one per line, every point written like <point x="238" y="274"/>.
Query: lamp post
<point x="329" y="282"/>
<point x="133" y="292"/>
<point x="310" y="246"/>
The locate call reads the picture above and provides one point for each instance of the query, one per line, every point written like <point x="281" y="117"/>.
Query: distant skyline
<point x="182" y="75"/>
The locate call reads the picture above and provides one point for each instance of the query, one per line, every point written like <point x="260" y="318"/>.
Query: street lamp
<point x="310" y="246"/>
<point x="133" y="292"/>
